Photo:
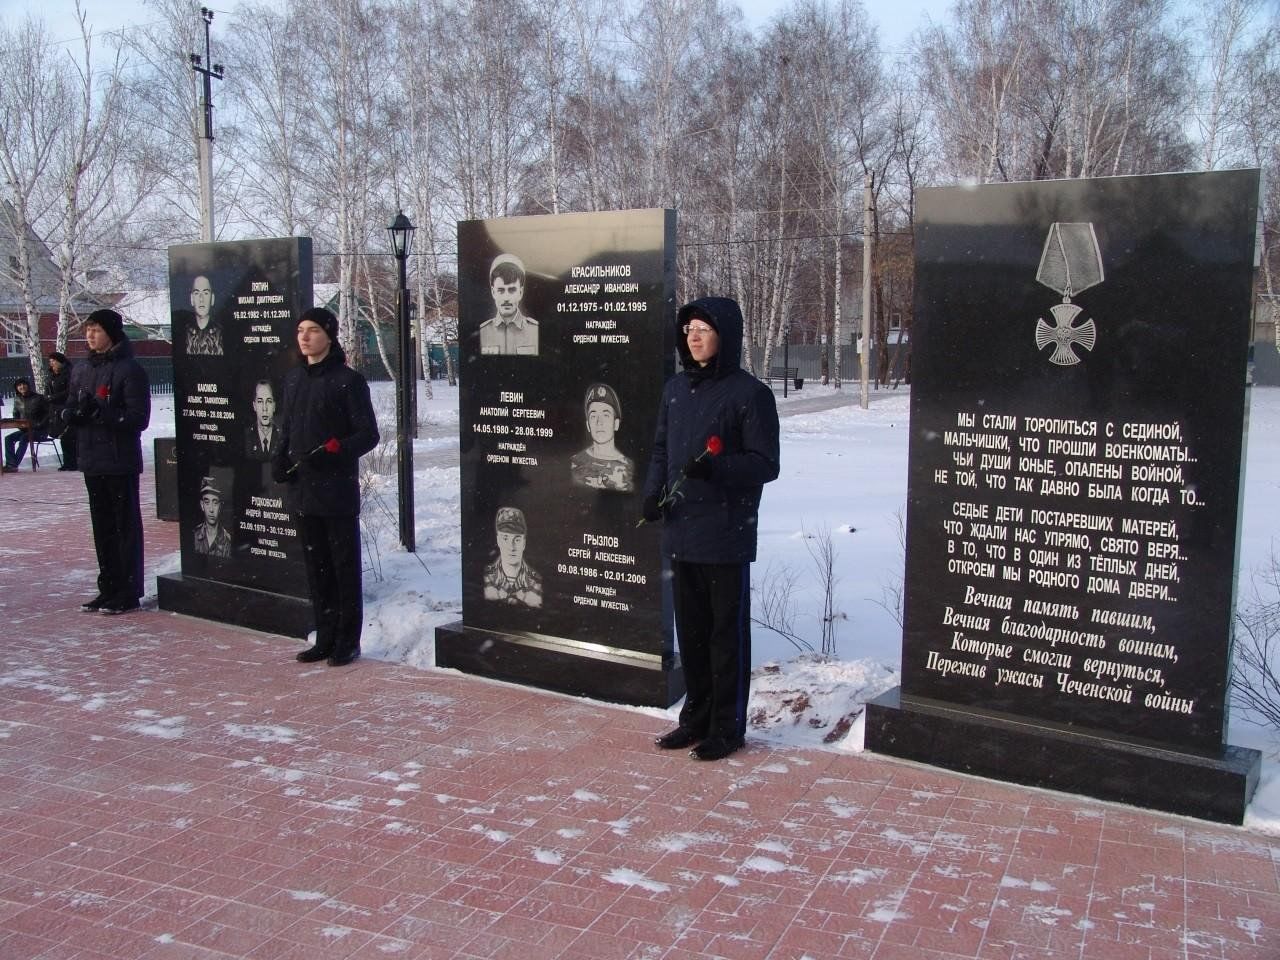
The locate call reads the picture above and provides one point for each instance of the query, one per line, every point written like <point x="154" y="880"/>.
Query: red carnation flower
<point x="103" y="392"/>
<point x="714" y="447"/>
<point x="332" y="445"/>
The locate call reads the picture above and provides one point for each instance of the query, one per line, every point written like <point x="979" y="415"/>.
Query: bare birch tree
<point x="62" y="134"/>
<point x="268" y="86"/>
<point x="33" y="121"/>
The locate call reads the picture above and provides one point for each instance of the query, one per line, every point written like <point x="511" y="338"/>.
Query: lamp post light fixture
<point x="401" y="230"/>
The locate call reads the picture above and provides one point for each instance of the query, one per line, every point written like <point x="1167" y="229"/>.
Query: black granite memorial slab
<point x="234" y="311"/>
<point x="1077" y="441"/>
<point x="565" y="338"/>
<point x="165" y="457"/>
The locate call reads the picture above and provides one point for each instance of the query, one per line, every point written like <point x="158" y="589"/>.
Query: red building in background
<point x="146" y="321"/>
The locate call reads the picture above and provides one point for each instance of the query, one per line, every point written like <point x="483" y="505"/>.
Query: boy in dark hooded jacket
<point x="715" y="447"/>
<point x="109" y="405"/>
<point x="326" y="425"/>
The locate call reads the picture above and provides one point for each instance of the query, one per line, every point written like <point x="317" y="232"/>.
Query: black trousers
<point x="331" y="546"/>
<point x="713" y="629"/>
<point x="116" y="516"/>
<point x="68" y="440"/>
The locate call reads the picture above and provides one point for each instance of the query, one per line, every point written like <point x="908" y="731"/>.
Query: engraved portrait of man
<point x="510" y="330"/>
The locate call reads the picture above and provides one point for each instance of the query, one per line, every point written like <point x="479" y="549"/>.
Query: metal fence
<point x="806" y="360"/>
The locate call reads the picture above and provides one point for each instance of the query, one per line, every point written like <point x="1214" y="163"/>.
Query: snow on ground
<point x="843" y="484"/>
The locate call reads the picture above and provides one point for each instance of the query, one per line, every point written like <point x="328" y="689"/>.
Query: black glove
<point x="651" y="511"/>
<point x="86" y="406"/>
<point x="698" y="468"/>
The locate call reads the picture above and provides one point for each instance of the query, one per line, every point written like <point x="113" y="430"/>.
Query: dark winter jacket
<point x="60" y="386"/>
<point x="321" y="401"/>
<point x="59" y="391"/>
<point x="109" y="404"/>
<point x="34" y="407"/>
<point x="714" y="520"/>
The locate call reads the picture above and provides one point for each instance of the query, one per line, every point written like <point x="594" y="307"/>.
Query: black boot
<point x="342" y="659"/>
<point x="312" y="655"/>
<point x="715" y="748"/>
<point x="677" y="739"/>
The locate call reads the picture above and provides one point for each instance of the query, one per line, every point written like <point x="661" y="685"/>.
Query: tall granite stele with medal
<point x="566" y="334"/>
<point x="1074" y="494"/>
<point x="234" y="308"/>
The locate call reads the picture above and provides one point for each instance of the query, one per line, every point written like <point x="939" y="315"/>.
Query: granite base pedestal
<point x="1212" y="787"/>
<point x="586" y="670"/>
<point x="234" y="604"/>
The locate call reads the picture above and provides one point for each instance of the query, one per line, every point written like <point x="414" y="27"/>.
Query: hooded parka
<point x="714" y="520"/>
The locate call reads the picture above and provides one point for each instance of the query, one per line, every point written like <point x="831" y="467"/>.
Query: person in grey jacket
<point x="32" y="407"/>
<point x="109" y="407"/>
<point x="715" y="447"/>
<point x="326" y="425"/>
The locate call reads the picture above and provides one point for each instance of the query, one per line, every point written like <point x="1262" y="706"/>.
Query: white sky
<point x="896" y="20"/>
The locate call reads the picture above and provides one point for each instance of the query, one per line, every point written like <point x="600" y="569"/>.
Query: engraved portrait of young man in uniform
<point x="262" y="438"/>
<point x="204" y="334"/>
<point x="510" y="330"/>
<point x="211" y="537"/>
<point x="602" y="465"/>
<point x="509" y="578"/>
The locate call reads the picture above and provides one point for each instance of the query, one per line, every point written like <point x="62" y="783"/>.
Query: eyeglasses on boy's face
<point x="696" y="329"/>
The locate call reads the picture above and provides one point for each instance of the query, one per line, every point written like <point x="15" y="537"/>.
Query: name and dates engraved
<point x="598" y="561"/>
<point x="1063" y="542"/>
<point x="605" y="298"/>
<point x="259" y="311"/>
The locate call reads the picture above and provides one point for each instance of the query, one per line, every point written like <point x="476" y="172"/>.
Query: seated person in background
<point x="31" y="406"/>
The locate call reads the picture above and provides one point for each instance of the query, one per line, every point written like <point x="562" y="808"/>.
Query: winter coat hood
<point x="726" y="317"/>
<point x="713" y="519"/>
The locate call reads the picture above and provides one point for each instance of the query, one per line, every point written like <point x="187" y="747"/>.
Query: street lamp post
<point x="401" y="230"/>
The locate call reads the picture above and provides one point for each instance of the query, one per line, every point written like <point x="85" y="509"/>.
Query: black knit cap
<point x="324" y="319"/>
<point x="112" y="323"/>
<point x="60" y="357"/>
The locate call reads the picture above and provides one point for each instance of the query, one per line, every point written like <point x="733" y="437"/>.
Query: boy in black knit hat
<point x="109" y="405"/>
<point x="327" y="424"/>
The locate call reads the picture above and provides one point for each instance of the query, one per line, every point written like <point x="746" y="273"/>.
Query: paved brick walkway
<point x="171" y="788"/>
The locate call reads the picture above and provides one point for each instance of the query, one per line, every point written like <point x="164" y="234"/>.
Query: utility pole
<point x="205" y="143"/>
<point x="869" y="212"/>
